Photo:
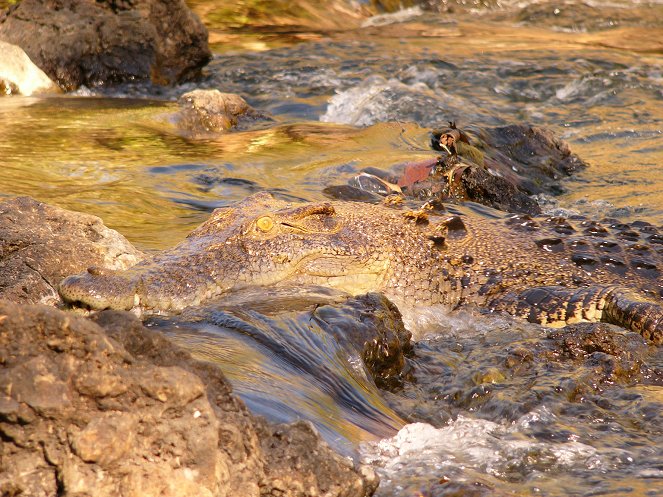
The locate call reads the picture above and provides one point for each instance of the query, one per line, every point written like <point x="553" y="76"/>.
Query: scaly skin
<point x="544" y="271"/>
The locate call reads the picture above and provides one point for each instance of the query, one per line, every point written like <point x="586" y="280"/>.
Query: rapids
<point x="492" y="407"/>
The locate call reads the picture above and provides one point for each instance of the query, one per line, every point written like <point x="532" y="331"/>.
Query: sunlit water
<point x="368" y="96"/>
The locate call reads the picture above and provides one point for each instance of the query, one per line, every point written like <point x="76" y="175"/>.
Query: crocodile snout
<point x="100" y="289"/>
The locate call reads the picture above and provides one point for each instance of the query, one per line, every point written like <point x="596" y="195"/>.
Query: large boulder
<point x="111" y="408"/>
<point x="98" y="42"/>
<point x="40" y="244"/>
<point x="19" y="75"/>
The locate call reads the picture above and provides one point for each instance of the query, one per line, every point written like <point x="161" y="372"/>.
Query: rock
<point x="369" y="325"/>
<point x="87" y="42"/>
<point x="498" y="167"/>
<point x="585" y="17"/>
<point x="289" y="449"/>
<point x="173" y="428"/>
<point x="212" y="111"/>
<point x="41" y="244"/>
<point x="372" y="325"/>
<point x="460" y="181"/>
<point x="604" y="355"/>
<point x="496" y="192"/>
<point x="530" y="157"/>
<point x="19" y="75"/>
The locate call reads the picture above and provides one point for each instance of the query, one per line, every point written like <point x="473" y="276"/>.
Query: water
<point x="493" y="406"/>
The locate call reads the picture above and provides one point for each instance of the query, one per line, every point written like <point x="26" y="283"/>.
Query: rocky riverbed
<point x="560" y="105"/>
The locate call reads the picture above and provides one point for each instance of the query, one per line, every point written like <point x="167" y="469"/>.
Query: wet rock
<point x="297" y="464"/>
<point x="213" y="111"/>
<point x="41" y="244"/>
<point x="608" y="356"/>
<point x="165" y="424"/>
<point x="373" y="325"/>
<point x="370" y="325"/>
<point x="498" y="167"/>
<point x="526" y="159"/>
<point x="85" y="42"/>
<point x="19" y="75"/>
<point x="530" y="157"/>
<point x="494" y="191"/>
<point x="452" y="180"/>
<point x="583" y="17"/>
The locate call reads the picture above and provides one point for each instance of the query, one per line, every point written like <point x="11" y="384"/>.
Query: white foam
<point x="350" y="106"/>
<point x="377" y="99"/>
<point x="393" y="17"/>
<point x="471" y="444"/>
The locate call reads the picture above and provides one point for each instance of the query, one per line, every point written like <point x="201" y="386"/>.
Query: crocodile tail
<point x="557" y="306"/>
<point x="634" y="313"/>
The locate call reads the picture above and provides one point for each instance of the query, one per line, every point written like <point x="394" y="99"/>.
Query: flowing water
<point x="490" y="408"/>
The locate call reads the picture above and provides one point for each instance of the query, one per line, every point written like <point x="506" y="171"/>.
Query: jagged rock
<point x="19" y="75"/>
<point x="212" y="111"/>
<point x="40" y="244"/>
<point x="88" y="42"/>
<point x="112" y="408"/>
<point x="297" y="464"/>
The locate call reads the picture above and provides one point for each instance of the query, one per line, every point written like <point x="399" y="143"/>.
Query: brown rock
<point x="106" y="439"/>
<point x="36" y="384"/>
<point x="372" y="325"/>
<point x="88" y="42"/>
<point x="204" y="111"/>
<point x="173" y="429"/>
<point x="41" y="244"/>
<point x="294" y="450"/>
<point x="172" y="385"/>
<point x="530" y="157"/>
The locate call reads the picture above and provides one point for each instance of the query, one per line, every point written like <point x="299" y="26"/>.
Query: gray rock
<point x="172" y="428"/>
<point x="40" y="244"/>
<point x="88" y="42"/>
<point x="19" y="75"/>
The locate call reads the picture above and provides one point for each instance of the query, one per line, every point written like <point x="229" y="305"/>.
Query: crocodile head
<point x="258" y="241"/>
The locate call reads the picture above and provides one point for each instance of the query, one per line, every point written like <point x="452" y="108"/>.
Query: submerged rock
<point x="40" y="244"/>
<point x="213" y="111"/>
<point x="111" y="408"/>
<point x="19" y="75"/>
<point x="85" y="42"/>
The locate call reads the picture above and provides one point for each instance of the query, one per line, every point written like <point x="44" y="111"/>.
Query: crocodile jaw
<point x="146" y="291"/>
<point x="97" y="292"/>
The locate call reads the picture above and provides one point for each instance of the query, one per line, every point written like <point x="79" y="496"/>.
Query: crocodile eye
<point x="265" y="223"/>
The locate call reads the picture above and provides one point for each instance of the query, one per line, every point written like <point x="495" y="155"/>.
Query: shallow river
<point x="470" y="418"/>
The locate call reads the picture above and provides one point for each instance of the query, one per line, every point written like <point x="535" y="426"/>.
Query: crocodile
<point x="551" y="271"/>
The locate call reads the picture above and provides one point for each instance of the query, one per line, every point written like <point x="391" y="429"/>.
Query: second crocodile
<point x="547" y="271"/>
